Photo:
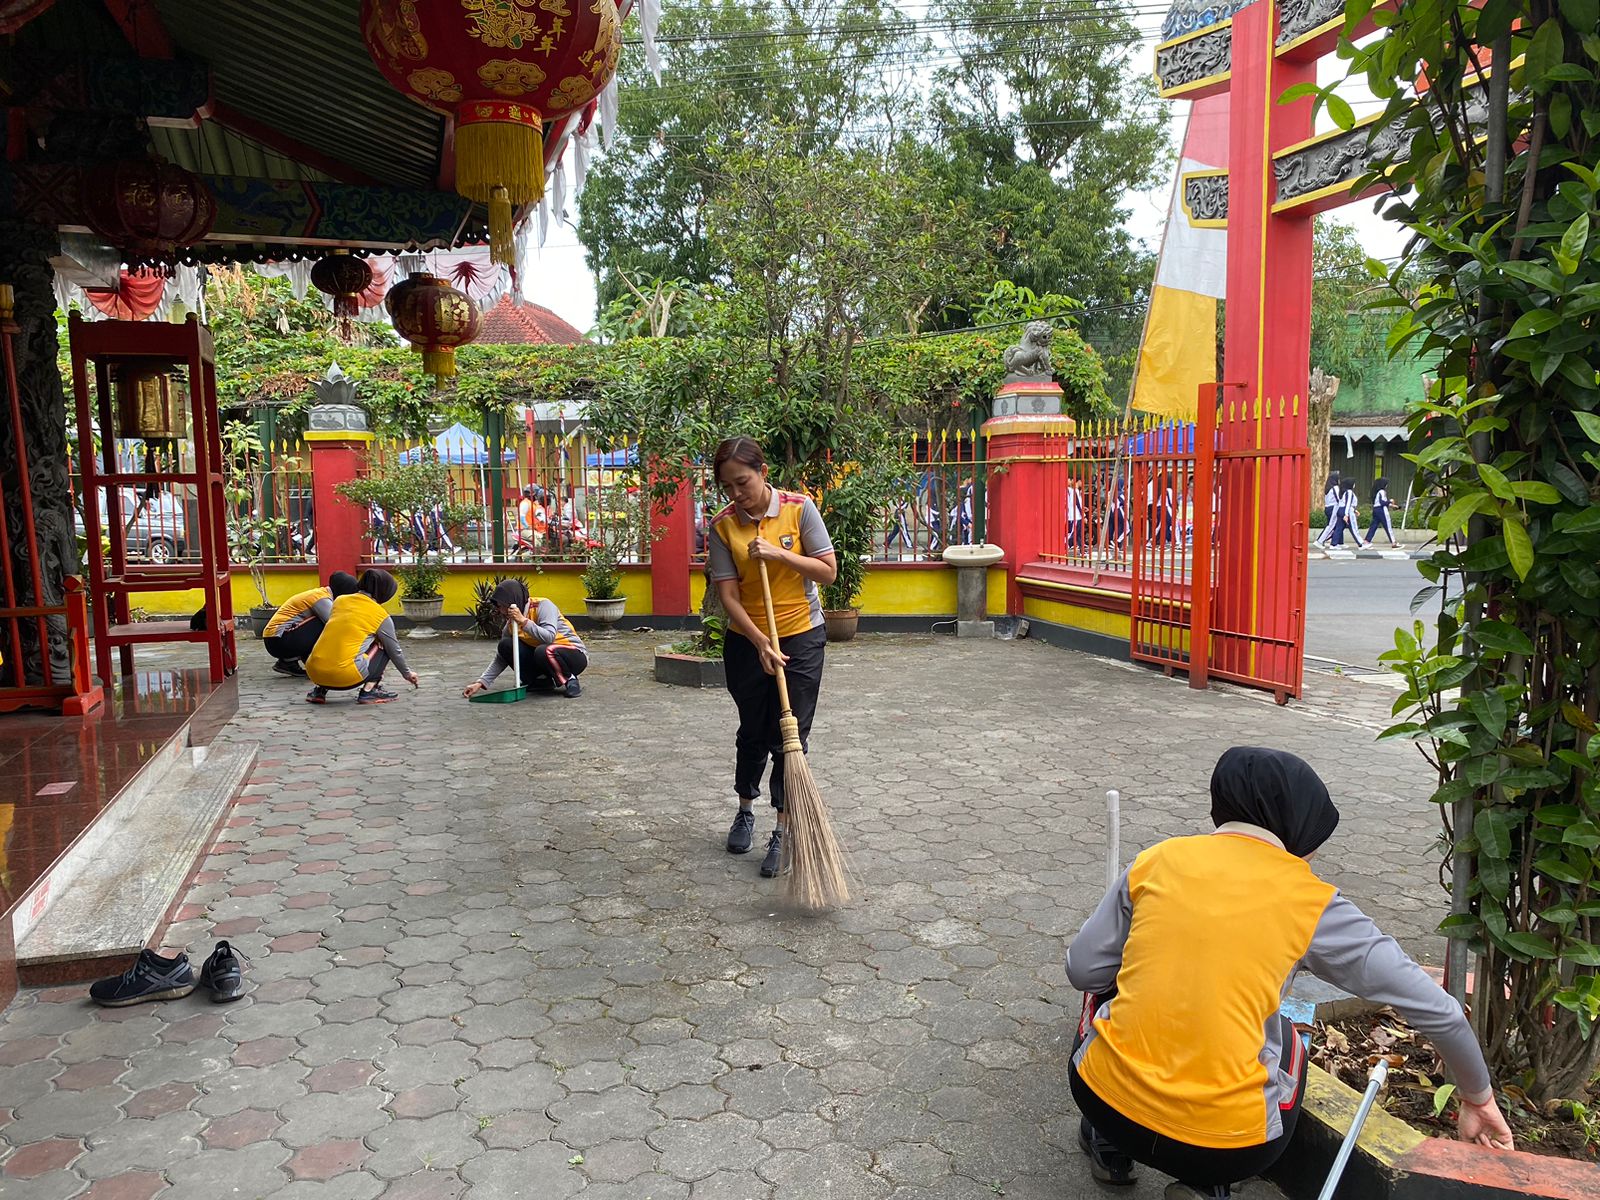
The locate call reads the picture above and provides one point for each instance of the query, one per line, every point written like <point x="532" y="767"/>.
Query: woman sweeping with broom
<point x="782" y="532"/>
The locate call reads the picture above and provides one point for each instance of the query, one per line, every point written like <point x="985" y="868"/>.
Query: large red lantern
<point x="148" y="209"/>
<point x="502" y="68"/>
<point x="435" y="318"/>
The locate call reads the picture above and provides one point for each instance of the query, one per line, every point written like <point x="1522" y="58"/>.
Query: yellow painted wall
<point x="888" y="591"/>
<point x="564" y="586"/>
<point x="1077" y="616"/>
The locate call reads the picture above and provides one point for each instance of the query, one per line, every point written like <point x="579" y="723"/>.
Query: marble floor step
<point x="119" y="900"/>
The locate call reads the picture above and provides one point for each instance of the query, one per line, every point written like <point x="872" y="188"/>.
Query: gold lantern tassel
<point x="500" y="163"/>
<point x="501" y="248"/>
<point x="441" y="364"/>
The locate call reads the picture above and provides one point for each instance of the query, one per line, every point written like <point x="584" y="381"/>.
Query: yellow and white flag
<point x="1179" y="351"/>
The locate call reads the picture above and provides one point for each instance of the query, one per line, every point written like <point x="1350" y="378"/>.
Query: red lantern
<point x="148" y="209"/>
<point x="344" y="277"/>
<point x="503" y="68"/>
<point x="435" y="319"/>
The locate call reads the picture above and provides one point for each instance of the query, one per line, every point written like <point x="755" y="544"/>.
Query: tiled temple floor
<point x="499" y="951"/>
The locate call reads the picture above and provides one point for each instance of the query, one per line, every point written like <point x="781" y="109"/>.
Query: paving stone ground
<point x="499" y="951"/>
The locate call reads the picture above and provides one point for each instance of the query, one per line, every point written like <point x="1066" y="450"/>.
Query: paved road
<point x="500" y="952"/>
<point x="1353" y="607"/>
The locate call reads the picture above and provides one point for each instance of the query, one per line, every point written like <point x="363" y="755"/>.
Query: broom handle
<point x="772" y="635"/>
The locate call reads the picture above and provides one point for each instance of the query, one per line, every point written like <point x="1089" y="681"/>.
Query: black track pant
<point x="295" y="644"/>
<point x="756" y="693"/>
<point x="555" y="663"/>
<point x="1200" y="1166"/>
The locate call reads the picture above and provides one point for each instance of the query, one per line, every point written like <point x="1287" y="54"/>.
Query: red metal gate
<point x="1219" y="563"/>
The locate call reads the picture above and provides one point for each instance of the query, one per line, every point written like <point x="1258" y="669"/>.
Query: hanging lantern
<point x="435" y="319"/>
<point x="344" y="277"/>
<point x="148" y="209"/>
<point x="151" y="406"/>
<point x="502" y="68"/>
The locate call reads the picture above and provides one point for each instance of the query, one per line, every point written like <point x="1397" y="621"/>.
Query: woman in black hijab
<point x="552" y="655"/>
<point x="358" y="645"/>
<point x="1183" y="1061"/>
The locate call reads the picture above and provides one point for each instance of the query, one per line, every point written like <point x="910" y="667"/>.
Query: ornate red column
<point x="1016" y="450"/>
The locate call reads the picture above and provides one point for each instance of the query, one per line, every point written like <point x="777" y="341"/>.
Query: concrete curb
<point x="1392" y="1161"/>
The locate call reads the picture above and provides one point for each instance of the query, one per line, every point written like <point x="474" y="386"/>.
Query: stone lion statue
<point x="1029" y="359"/>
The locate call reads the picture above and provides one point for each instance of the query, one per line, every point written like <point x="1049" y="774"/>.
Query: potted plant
<point x="839" y="611"/>
<point x="251" y="535"/>
<point x="602" y="587"/>
<point x="848" y="509"/>
<point x="420" y="598"/>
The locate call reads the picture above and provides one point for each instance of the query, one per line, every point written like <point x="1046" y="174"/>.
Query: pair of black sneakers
<point x="153" y="977"/>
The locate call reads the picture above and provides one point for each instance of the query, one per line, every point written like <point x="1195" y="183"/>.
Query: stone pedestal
<point x="1028" y="398"/>
<point x="972" y="565"/>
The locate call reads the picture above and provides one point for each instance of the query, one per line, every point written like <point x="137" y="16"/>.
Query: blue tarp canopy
<point x="614" y="460"/>
<point x="459" y="447"/>
<point x="1174" y="438"/>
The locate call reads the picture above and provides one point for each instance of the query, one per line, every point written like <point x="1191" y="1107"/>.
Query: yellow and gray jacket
<point x="357" y="622"/>
<point x="544" y="625"/>
<point x="1202" y="938"/>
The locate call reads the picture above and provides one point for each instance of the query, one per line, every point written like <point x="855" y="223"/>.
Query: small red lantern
<point x="344" y="277"/>
<point x="148" y="209"/>
<point x="435" y="318"/>
<point x="502" y="68"/>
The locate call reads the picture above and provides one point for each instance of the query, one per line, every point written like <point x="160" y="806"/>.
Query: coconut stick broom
<point x="817" y="875"/>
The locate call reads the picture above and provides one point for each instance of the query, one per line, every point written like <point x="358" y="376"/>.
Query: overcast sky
<point x="561" y="281"/>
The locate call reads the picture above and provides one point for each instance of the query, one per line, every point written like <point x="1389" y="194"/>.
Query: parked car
<point x="159" y="529"/>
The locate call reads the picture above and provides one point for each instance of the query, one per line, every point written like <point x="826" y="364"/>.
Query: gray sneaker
<point x="774" y="859"/>
<point x="744" y="826"/>
<point x="150" y="978"/>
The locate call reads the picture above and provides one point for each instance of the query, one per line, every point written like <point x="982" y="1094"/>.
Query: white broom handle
<point x="1113" y="837"/>
<point x="1375" y="1081"/>
<point x="516" y="651"/>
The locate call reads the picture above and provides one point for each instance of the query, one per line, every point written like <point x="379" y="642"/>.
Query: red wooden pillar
<point x="336" y="457"/>
<point x="1017" y="500"/>
<point x="1266" y="350"/>
<point x="670" y="551"/>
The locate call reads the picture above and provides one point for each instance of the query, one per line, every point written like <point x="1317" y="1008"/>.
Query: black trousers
<point x="555" y="663"/>
<point x="296" y="643"/>
<point x="756" y="695"/>
<point x="1200" y="1166"/>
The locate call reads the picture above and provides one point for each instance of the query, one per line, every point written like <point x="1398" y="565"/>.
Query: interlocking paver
<point x="472" y="964"/>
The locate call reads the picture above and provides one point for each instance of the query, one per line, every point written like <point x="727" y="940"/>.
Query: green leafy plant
<point x="708" y="641"/>
<point x="486" y="619"/>
<point x="398" y="488"/>
<point x="602" y="576"/>
<point x="1500" y="179"/>
<point x="420" y="580"/>
<point x="251" y="534"/>
<point x="850" y="509"/>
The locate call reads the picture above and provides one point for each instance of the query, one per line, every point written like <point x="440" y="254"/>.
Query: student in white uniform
<point x="1381" y="504"/>
<point x="1330" y="509"/>
<point x="1349" y="516"/>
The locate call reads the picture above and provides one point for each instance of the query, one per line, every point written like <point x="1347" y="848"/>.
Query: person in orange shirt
<point x="1183" y="1060"/>
<point x="785" y="531"/>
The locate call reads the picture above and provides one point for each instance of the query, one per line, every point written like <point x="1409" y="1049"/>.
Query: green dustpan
<point x="511" y="694"/>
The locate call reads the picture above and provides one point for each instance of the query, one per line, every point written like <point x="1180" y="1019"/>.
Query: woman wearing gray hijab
<point x="552" y="655"/>
<point x="1183" y="1061"/>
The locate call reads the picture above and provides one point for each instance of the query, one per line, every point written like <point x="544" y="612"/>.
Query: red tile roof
<point x="510" y="324"/>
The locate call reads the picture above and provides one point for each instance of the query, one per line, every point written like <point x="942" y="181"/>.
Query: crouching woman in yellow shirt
<point x="358" y="645"/>
<point x="294" y="629"/>
<point x="1183" y="1060"/>
<point x="785" y="531"/>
